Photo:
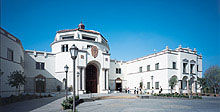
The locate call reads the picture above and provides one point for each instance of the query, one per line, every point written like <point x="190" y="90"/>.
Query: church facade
<point x="95" y="71"/>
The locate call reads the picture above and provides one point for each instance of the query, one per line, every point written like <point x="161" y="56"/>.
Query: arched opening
<point x="40" y="82"/>
<point x="118" y="84"/>
<point x="184" y="82"/>
<point x="91" y="78"/>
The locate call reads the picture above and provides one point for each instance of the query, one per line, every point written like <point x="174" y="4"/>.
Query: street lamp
<point x="66" y="70"/>
<point x="152" y="77"/>
<point x="78" y="83"/>
<point x="190" y="85"/>
<point x="74" y="53"/>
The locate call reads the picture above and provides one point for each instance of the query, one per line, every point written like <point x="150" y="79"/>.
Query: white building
<point x="155" y="70"/>
<point x="11" y="59"/>
<point x="95" y="72"/>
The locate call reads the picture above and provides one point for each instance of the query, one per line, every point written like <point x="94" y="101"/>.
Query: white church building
<point x="95" y="71"/>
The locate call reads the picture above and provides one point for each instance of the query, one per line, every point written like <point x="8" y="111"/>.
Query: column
<point x="83" y="79"/>
<point x="104" y="79"/>
<point x="179" y="90"/>
<point x="188" y="84"/>
<point x="107" y="76"/>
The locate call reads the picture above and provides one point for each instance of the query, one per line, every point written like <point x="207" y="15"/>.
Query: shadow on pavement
<point x="29" y="105"/>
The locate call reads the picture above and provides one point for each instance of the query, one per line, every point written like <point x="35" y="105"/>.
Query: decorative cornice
<point x="152" y="71"/>
<point x="80" y="40"/>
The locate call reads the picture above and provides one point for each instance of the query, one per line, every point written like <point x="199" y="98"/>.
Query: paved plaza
<point x="152" y="105"/>
<point x="118" y="103"/>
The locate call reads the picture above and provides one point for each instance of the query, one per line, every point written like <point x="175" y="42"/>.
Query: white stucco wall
<point x="8" y="41"/>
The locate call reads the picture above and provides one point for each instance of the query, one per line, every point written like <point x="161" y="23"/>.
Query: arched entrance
<point x="40" y="82"/>
<point x="118" y="84"/>
<point x="91" y="79"/>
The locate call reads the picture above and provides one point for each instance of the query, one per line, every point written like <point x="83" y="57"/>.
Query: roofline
<point x="157" y="53"/>
<point x="88" y="31"/>
<point x="17" y="40"/>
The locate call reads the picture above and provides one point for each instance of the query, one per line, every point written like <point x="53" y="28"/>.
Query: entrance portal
<point x="91" y="79"/>
<point x="40" y="83"/>
<point x="118" y="84"/>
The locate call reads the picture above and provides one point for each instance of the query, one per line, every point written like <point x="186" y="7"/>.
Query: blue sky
<point x="132" y="28"/>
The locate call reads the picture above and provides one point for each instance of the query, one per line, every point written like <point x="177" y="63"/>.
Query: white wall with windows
<point x="156" y="69"/>
<point x="117" y="71"/>
<point x="39" y="63"/>
<point x="11" y="59"/>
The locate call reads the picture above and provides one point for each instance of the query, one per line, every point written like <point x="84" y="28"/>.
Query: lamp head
<point x="66" y="68"/>
<point x="73" y="52"/>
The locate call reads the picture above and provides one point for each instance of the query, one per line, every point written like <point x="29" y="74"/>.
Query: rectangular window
<point x="89" y="46"/>
<point x="191" y="68"/>
<point x="197" y="67"/>
<point x="156" y="85"/>
<point x="118" y="70"/>
<point x="10" y="55"/>
<point x="88" y="38"/>
<point x="184" y="67"/>
<point x="148" y="67"/>
<point x="37" y="65"/>
<point x="140" y="69"/>
<point x="64" y="48"/>
<point x="40" y="65"/>
<point x="69" y="37"/>
<point x="148" y="85"/>
<point x="157" y="66"/>
<point x="174" y="65"/>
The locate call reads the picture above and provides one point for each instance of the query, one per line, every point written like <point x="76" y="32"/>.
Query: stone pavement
<point x="129" y="103"/>
<point x="152" y="105"/>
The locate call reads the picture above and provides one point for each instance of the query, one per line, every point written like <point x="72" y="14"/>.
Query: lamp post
<point x="78" y="83"/>
<point x="152" y="77"/>
<point x="66" y="70"/>
<point x="190" y="86"/>
<point x="74" y="53"/>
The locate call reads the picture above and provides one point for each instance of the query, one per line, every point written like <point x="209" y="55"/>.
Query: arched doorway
<point x="91" y="79"/>
<point x="118" y="84"/>
<point x="40" y="82"/>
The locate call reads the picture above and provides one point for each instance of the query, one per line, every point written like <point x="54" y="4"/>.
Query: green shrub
<point x="68" y="103"/>
<point x="197" y="97"/>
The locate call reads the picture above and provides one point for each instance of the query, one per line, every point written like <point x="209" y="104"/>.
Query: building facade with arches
<point x="95" y="71"/>
<point x="152" y="73"/>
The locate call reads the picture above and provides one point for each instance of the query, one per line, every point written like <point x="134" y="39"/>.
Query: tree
<point x="16" y="79"/>
<point x="212" y="76"/>
<point x="202" y="84"/>
<point x="172" y="82"/>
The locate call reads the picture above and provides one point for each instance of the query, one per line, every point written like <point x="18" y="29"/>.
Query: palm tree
<point x="172" y="82"/>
